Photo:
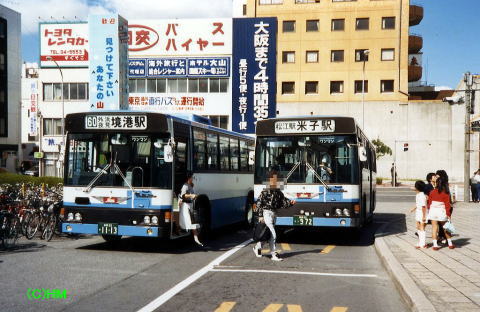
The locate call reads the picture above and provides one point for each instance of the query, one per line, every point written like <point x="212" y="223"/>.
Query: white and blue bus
<point x="124" y="171"/>
<point x="326" y="164"/>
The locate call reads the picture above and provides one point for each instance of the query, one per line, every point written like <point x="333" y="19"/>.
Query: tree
<point x="381" y="149"/>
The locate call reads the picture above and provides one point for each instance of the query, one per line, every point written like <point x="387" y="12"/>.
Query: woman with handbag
<point x="440" y="211"/>
<point x="186" y="202"/>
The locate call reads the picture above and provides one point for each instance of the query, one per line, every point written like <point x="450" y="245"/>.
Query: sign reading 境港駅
<point x="108" y="67"/>
<point x="64" y="43"/>
<point x="305" y="126"/>
<point x="116" y="122"/>
<point x="253" y="72"/>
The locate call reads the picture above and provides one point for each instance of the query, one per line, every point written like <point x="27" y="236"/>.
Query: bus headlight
<point x="70" y="216"/>
<point x="146" y="220"/>
<point x="346" y="212"/>
<point x="78" y="217"/>
<point x="154" y="220"/>
<point x="338" y="212"/>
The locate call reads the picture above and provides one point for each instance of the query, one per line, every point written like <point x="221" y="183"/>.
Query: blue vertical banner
<point x="253" y="72"/>
<point x="108" y="66"/>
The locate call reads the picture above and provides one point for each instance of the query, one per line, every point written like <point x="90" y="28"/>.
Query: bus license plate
<point x="108" y="228"/>
<point x="303" y="220"/>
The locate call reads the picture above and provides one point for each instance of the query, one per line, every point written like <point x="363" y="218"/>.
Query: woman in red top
<point x="439" y="211"/>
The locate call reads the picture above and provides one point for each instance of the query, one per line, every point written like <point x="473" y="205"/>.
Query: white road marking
<point x="192" y="278"/>
<point x="294" y="272"/>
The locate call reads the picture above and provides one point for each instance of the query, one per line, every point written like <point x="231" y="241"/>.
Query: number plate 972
<point x="303" y="220"/>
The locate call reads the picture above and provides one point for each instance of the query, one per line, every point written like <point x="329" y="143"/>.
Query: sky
<point x="450" y="28"/>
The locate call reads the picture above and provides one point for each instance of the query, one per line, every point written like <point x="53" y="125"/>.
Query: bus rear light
<point x="356" y="208"/>
<point x="346" y="212"/>
<point x="62" y="212"/>
<point x="168" y="216"/>
<point x="134" y="222"/>
<point x="146" y="220"/>
<point x="155" y="220"/>
<point x="338" y="212"/>
<point x="70" y="216"/>
<point x="78" y="217"/>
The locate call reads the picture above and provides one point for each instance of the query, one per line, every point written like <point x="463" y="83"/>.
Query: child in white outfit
<point x="420" y="213"/>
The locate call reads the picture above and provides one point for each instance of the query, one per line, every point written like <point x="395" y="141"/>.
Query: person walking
<point x="420" y="213"/>
<point x="270" y="200"/>
<point x="186" y="203"/>
<point x="444" y="176"/>
<point x="476" y="183"/>
<point x="393" y="173"/>
<point x="473" y="187"/>
<point x="439" y="211"/>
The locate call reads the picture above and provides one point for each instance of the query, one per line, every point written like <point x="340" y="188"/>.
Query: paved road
<point x="322" y="271"/>
<point x="398" y="194"/>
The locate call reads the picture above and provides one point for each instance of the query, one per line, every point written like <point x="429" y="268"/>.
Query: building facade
<point x="10" y="66"/>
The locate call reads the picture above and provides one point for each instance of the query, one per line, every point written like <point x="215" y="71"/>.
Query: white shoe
<point x="257" y="251"/>
<point x="276" y="258"/>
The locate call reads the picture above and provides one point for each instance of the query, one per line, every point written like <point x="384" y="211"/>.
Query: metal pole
<point x="363" y="95"/>
<point x="468" y="105"/>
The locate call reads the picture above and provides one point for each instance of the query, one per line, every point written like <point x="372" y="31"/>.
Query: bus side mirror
<point x="362" y="153"/>
<point x="251" y="158"/>
<point x="168" y="153"/>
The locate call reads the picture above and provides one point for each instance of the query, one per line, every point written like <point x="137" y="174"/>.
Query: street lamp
<point x="365" y="56"/>
<point x="61" y="151"/>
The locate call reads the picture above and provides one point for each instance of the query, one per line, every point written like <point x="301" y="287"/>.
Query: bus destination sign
<point x="116" y="122"/>
<point x="305" y="126"/>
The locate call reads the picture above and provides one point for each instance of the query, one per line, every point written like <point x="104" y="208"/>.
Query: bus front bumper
<point x="322" y="222"/>
<point x="123" y="230"/>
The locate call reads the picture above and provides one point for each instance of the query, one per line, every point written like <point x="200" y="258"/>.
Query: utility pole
<point x="468" y="79"/>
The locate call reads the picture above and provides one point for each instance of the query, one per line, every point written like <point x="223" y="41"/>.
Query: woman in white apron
<point x="187" y="196"/>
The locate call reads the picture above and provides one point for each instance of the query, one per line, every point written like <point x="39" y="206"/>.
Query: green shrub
<point x="12" y="178"/>
<point x="379" y="180"/>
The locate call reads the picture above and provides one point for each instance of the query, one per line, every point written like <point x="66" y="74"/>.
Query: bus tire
<point x="248" y="213"/>
<point x="204" y="215"/>
<point x="112" y="238"/>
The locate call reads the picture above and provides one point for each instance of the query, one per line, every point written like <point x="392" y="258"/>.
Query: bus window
<point x="243" y="155"/>
<point x="251" y="148"/>
<point x="161" y="170"/>
<point x="199" y="151"/>
<point x="212" y="151"/>
<point x="224" y="153"/>
<point x="234" y="154"/>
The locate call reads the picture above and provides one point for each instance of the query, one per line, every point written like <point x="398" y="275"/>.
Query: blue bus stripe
<point x="126" y="206"/>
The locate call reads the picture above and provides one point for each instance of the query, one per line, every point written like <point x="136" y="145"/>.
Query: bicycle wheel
<point x="11" y="232"/>
<point x="50" y="228"/>
<point x="32" y="226"/>
<point x="25" y="220"/>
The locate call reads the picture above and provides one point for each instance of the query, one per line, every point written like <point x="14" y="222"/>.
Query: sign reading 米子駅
<point x="108" y="67"/>
<point x="64" y="43"/>
<point x="253" y="72"/>
<point x="116" y="122"/>
<point x="305" y="126"/>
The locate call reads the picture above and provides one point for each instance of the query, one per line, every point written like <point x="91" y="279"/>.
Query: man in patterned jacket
<point x="270" y="200"/>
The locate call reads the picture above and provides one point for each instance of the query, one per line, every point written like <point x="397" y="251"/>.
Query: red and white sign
<point x="186" y="37"/>
<point x="66" y="44"/>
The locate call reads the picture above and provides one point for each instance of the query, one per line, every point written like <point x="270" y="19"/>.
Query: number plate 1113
<point x="108" y="228"/>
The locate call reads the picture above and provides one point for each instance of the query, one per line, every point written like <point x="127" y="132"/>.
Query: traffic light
<point x="405" y="147"/>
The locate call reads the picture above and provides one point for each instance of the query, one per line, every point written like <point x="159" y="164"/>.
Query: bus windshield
<point x="140" y="159"/>
<point x="307" y="159"/>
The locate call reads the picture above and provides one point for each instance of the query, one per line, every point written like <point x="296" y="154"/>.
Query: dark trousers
<point x="474" y="190"/>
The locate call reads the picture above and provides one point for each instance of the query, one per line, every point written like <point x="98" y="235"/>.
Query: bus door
<point x="181" y="138"/>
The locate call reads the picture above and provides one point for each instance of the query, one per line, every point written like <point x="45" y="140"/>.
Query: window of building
<point x="224" y="85"/>
<point x="359" y="86"/>
<point x="151" y="86"/>
<point x="141" y="85"/>
<point x="161" y="85"/>
<point x="361" y="56"/>
<point x="182" y="85"/>
<point x="388" y="54"/>
<point x="203" y="85"/>
<point x="311" y="87"/>
<point x="337" y="56"/>
<point x="388" y="22"/>
<point x="71" y="91"/>
<point x="288" y="57"/>
<point x="288" y="87"/>
<point x="172" y="86"/>
<point x="132" y="86"/>
<point x="199" y="150"/>
<point x="234" y="154"/>
<point x="244" y="10"/>
<point x="343" y="0"/>
<point x="312" y="25"/>
<point x="270" y="1"/>
<point x="307" y="1"/>
<point x="288" y="26"/>
<point x="212" y="151"/>
<point x="219" y="121"/>
<point x="192" y="85"/>
<point x="338" y="24"/>
<point x="362" y="24"/>
<point x="52" y="126"/>
<point x="336" y="87"/>
<point x="311" y="57"/>
<point x="386" y="86"/>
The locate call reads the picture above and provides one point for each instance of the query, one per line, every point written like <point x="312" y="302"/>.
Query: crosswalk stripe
<point x="327" y="249"/>
<point x="226" y="306"/>
<point x="294" y="308"/>
<point x="285" y="246"/>
<point x="339" y="309"/>
<point x="273" y="307"/>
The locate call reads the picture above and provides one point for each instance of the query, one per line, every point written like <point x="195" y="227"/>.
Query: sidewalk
<point x="444" y="280"/>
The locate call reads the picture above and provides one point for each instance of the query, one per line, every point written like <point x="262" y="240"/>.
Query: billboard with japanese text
<point x="64" y="43"/>
<point x="253" y="72"/>
<point x="108" y="65"/>
<point x="179" y="67"/>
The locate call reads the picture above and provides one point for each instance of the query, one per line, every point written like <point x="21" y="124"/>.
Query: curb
<point x="409" y="290"/>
